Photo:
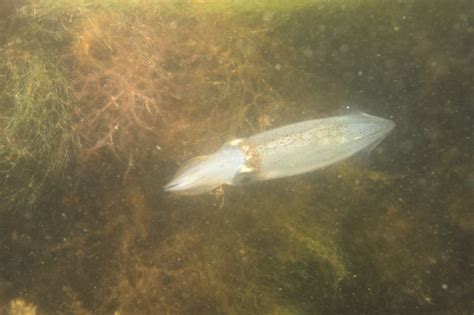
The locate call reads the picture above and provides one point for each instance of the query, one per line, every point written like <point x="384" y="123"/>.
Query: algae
<point x="101" y="101"/>
<point x="37" y="133"/>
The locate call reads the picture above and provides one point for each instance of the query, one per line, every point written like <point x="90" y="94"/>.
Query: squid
<point x="282" y="152"/>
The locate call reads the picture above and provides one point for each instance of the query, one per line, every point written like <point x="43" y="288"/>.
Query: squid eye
<point x="244" y="178"/>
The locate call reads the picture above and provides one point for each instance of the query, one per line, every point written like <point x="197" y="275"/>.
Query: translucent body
<point x="310" y="145"/>
<point x="205" y="173"/>
<point x="290" y="150"/>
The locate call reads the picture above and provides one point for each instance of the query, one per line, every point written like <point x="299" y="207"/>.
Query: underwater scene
<point x="361" y="203"/>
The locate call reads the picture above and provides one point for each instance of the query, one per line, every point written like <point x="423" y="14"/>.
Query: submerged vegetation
<point x="37" y="135"/>
<point x="111" y="76"/>
<point x="100" y="101"/>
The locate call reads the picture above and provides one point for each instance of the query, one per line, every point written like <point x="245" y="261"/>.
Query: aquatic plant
<point x="117" y="75"/>
<point x="36" y="126"/>
<point x="166" y="79"/>
<point x="129" y="83"/>
<point x="117" y="93"/>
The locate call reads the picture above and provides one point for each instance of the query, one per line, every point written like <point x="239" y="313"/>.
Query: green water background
<point x="393" y="234"/>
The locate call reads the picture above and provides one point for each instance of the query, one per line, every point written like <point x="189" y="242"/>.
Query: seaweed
<point x="101" y="101"/>
<point x="37" y="135"/>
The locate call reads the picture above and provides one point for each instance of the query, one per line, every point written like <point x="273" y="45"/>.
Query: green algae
<point x="36" y="134"/>
<point x="95" y="77"/>
<point x="100" y="102"/>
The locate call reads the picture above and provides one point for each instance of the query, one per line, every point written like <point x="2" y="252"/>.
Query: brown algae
<point x="101" y="101"/>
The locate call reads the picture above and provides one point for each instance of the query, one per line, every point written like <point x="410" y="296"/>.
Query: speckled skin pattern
<point x="286" y="151"/>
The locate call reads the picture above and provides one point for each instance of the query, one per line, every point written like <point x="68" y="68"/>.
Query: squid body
<point x="286" y="151"/>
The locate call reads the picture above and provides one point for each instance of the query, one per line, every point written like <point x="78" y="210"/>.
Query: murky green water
<point x="100" y="102"/>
